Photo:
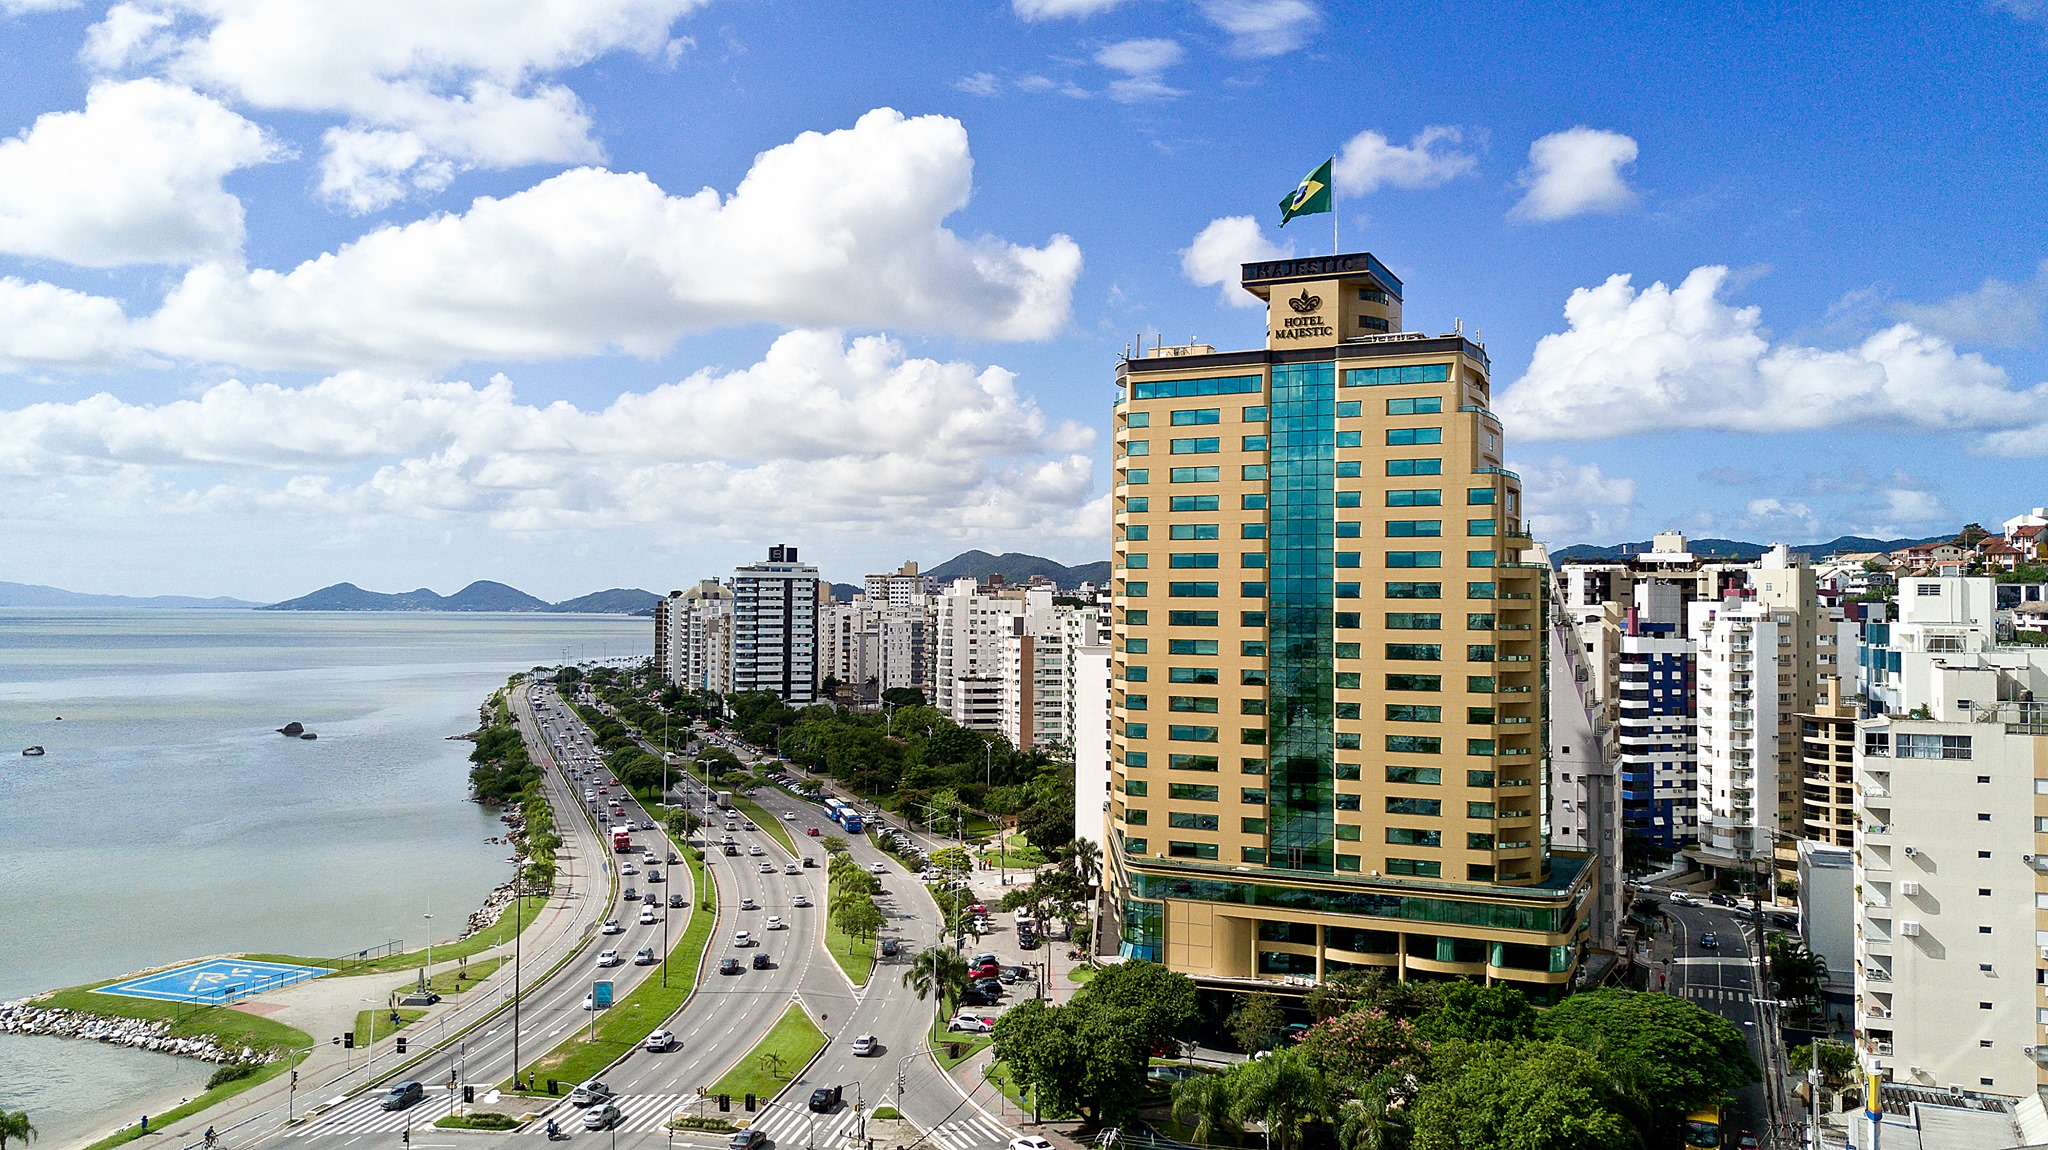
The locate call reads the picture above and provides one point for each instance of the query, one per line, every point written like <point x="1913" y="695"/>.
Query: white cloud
<point x="1907" y="508"/>
<point x="1035" y="10"/>
<point x="832" y="229"/>
<point x="979" y="84"/>
<point x="864" y="440"/>
<point x="1142" y="63"/>
<point x="1997" y="313"/>
<point x="24" y="7"/>
<point x="133" y="178"/>
<point x="1574" y="172"/>
<point x="1369" y="162"/>
<point x="2031" y="10"/>
<point x="1261" y="28"/>
<point x="1670" y="359"/>
<point x="464" y="79"/>
<point x="1218" y="250"/>
<point x="43" y="326"/>
<point x="1786" y="519"/>
<point x="1568" y="502"/>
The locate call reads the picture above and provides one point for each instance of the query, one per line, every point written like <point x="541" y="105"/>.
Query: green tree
<point x="15" y="1127"/>
<point x="1207" y="1103"/>
<point x="1800" y="974"/>
<point x="903" y="697"/>
<point x="1364" y="1045"/>
<point x="1084" y="859"/>
<point x="1042" y="1045"/>
<point x="1477" y="1014"/>
<point x="1670" y="1055"/>
<point x="857" y="916"/>
<point x="937" y="972"/>
<point x="1535" y="1096"/>
<point x="1256" y="1020"/>
<point x="1151" y="999"/>
<point x="1285" y="1091"/>
<point x="1838" y="1068"/>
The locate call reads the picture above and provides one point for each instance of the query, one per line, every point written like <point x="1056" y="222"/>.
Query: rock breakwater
<point x="24" y="1017"/>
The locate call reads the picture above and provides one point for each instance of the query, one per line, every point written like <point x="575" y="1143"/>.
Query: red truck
<point x="622" y="839"/>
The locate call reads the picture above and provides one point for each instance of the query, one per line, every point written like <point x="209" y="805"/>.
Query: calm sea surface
<point x="168" y="819"/>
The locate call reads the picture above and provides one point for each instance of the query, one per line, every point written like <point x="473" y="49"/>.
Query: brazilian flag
<point x="1311" y="198"/>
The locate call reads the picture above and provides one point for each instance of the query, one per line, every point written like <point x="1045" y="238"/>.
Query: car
<point x="763" y="962"/>
<point x="1027" y="942"/>
<point x="754" y="849"/>
<point x="675" y="901"/>
<point x="748" y="904"/>
<point x="965" y="1025"/>
<point x="742" y="939"/>
<point x="631" y="894"/>
<point x="809" y="861"/>
<point x="1029" y="1142"/>
<point x="1745" y="1141"/>
<point x="730" y="966"/>
<point x="767" y="868"/>
<point x="865" y="1045"/>
<point x="602" y="1116"/>
<point x="791" y="868"/>
<point x="644" y="957"/>
<point x="1010" y="974"/>
<point x="982" y="960"/>
<point x="890" y="947"/>
<point x="648" y="915"/>
<point x="611" y="926"/>
<point x="660" y="1041"/>
<point x="674" y="858"/>
<point x="825" y="1099"/>
<point x="774" y="923"/>
<point x="800" y="900"/>
<point x="628" y="868"/>
<point x="789" y="815"/>
<point x="877" y="868"/>
<point x="731" y="849"/>
<point x="590" y="1001"/>
<point x="1710" y="941"/>
<point x="989" y="986"/>
<point x="973" y="997"/>
<point x="811" y="831"/>
<point x="590" y="1092"/>
<point x="645" y="825"/>
<point x="655" y="876"/>
<point x="979" y="910"/>
<point x="747" y="1139"/>
<point x="403" y="1095"/>
<point x="608" y="958"/>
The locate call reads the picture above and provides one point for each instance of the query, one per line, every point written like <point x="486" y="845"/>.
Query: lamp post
<point x="427" y="971"/>
<point x="517" y="932"/>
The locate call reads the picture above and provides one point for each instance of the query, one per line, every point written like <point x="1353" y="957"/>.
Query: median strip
<point x="776" y="1059"/>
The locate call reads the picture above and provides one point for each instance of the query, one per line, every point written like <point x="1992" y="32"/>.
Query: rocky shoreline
<point x="489" y="913"/>
<point x="23" y="1017"/>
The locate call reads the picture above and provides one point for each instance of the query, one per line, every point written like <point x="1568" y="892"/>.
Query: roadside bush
<point x="231" y="1072"/>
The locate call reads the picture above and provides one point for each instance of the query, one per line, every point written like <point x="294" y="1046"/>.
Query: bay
<point x="169" y="820"/>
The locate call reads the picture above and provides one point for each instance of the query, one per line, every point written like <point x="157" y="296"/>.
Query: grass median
<point x="944" y="1042"/>
<point x="381" y="1020"/>
<point x="780" y="1055"/>
<point x="855" y="956"/>
<point x="633" y="1017"/>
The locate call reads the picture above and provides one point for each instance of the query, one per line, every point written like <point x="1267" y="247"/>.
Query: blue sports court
<point x="215" y="981"/>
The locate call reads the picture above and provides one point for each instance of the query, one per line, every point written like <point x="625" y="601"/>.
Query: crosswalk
<point x="976" y="1133"/>
<point x="1717" y="994"/>
<point x="365" y="1114"/>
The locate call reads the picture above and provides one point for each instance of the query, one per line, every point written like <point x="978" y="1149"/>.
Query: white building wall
<point x="1736" y="645"/>
<point x="1091" y="718"/>
<point x="775" y="627"/>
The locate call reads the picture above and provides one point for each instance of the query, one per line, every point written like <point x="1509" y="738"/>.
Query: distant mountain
<point x="617" y="601"/>
<point x="482" y="595"/>
<point x="1739" y="550"/>
<point x="1016" y="567"/>
<point x="844" y="592"/>
<point x="35" y="595"/>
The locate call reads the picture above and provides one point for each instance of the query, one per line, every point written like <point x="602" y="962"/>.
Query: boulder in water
<point x="290" y="729"/>
<point x="309" y="736"/>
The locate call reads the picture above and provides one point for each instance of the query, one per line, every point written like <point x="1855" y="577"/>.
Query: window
<point x="1478" y="810"/>
<point x="1138" y="504"/>
<point x="1478" y="622"/>
<point x="1252" y="854"/>
<point x="1983" y="816"/>
<point x="1930" y="746"/>
<point x="1345" y="498"/>
<point x="1414" y="713"/>
<point x="1191" y="792"/>
<point x="1191" y="590"/>
<point x="1138" y="447"/>
<point x="1414" y="528"/>
<point x="1347" y="832"/>
<point x="1416" y="497"/>
<point x="1416" y="652"/>
<point x="1136" y="816"/>
<point x="1347" y="680"/>
<point x="1415" y="868"/>
<point x="1252" y="648"/>
<point x="1137" y="646"/>
<point x="1191" y="646"/>
<point x="1415" y="558"/>
<point x="1345" y="650"/>
<point x="1350" y="409"/>
<point x="1137" y="618"/>
<point x="1423" y="776"/>
<point x="1137" y="787"/>
<point x="1135" y="759"/>
<point x="1137" y="562"/>
<point x="1252" y="826"/>
<point x="1478" y="558"/>
<point x="1191" y="762"/>
<point x="1200" y="704"/>
<point x="1255" y="443"/>
<point x="1198" y="675"/>
<point x="1415" y="590"/>
<point x="1482" y="747"/>
<point x="1193" y="503"/>
<point x="1255" y="415"/>
<point x="1139" y="419"/>
<point x="1135" y="674"/>
<point x="1191" y="618"/>
<point x="1424" y="405"/>
<point x="1138" y="531"/>
<point x="1479" y="715"/>
<point x="1347" y="558"/>
<point x="1479" y="496"/>
<point x="1136" y="590"/>
<point x="1253" y="530"/>
<point x="1134" y="846"/>
<point x="1478" y="590"/>
<point x="1197" y="446"/>
<point x="1254" y="796"/>
<point x="1415" y="467"/>
<point x="1414" y="682"/>
<point x="1479" y="684"/>
<point x="1254" y="766"/>
<point x="1194" y="531"/>
<point x="1479" y="527"/>
<point x="1199" y="415"/>
<point x="1252" y="678"/>
<point x="1138" y="475"/>
<point x="1195" y="474"/>
<point x="1414" y="621"/>
<point x="1256" y="502"/>
<point x="1191" y="850"/>
<point x="1411" y="837"/>
<point x="1387" y="376"/>
<point x="1414" y="745"/>
<point x="1182" y="388"/>
<point x="1347" y="802"/>
<point x="1192" y="559"/>
<point x="1136" y="730"/>
<point x="1251" y="618"/>
<point x="1877" y="743"/>
<point x="1414" y="436"/>
<point x="1431" y="807"/>
<point x="1478" y="841"/>
<point x="1252" y="471"/>
<point x="1345" y="591"/>
<point x="1479" y="652"/>
<point x="1350" y="439"/>
<point x="1348" y="710"/>
<point x="1349" y="469"/>
<point x="1479" y="778"/>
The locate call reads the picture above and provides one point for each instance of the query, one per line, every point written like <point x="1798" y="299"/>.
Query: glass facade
<point x="1302" y="412"/>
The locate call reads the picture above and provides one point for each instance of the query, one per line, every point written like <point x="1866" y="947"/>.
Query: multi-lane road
<point x="721" y="1021"/>
<point x="1714" y="965"/>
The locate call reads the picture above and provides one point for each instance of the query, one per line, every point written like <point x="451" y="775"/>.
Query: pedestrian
<point x="145" y="1123"/>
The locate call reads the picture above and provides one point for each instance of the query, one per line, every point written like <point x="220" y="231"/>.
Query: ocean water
<point x="169" y="820"/>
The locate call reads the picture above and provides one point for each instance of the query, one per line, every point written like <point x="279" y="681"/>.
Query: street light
<point x="427" y="971"/>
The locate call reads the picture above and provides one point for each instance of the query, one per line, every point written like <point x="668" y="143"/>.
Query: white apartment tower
<point x="969" y="628"/>
<point x="775" y="627"/>
<point x="903" y="587"/>
<point x="700" y="637"/>
<point x="1737" y="645"/>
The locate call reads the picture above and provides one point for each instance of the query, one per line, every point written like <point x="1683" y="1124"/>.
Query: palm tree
<point x="1208" y="1103"/>
<point x="1086" y="858"/>
<point x="1284" y="1091"/>
<point x="14" y="1126"/>
<point x="936" y="971"/>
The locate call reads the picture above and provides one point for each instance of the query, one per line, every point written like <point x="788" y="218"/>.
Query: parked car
<point x="1029" y="1142"/>
<point x="964" y="1024"/>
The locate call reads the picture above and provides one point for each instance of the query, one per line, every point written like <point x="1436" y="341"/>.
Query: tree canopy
<point x="1666" y="1051"/>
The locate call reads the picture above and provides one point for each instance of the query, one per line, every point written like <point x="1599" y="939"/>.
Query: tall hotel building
<point x="1328" y="659"/>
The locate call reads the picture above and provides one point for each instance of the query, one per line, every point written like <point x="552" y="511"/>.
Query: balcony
<point x="1878" y="831"/>
<point x="1878" y="1047"/>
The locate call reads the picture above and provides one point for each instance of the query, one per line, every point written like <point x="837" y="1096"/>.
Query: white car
<point x="661" y="1040"/>
<point x="791" y="868"/>
<point x="609" y="958"/>
<point x="969" y="1025"/>
<point x="648" y="917"/>
<point x="741" y="938"/>
<point x="767" y="868"/>
<point x="774" y="923"/>
<point x="629" y="868"/>
<point x="864" y="1045"/>
<point x="754" y="849"/>
<point x="789" y="815"/>
<point x="1030" y="1142"/>
<point x="877" y="868"/>
<point x="611" y="926"/>
<point x="800" y="900"/>
<point x="748" y="904"/>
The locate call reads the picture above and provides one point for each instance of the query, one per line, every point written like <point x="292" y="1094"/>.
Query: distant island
<point x="36" y="595"/>
<point x="1739" y="550"/>
<point x="482" y="595"/>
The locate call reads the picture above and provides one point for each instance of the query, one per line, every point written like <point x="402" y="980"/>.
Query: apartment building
<point x="968" y="629"/>
<point x="1318" y="578"/>
<point x="693" y="637"/>
<point x="903" y="587"/>
<point x="1827" y="755"/>
<point x="1091" y="736"/>
<point x="775" y="627"/>
<point x="1737" y="643"/>
<point x="1032" y="665"/>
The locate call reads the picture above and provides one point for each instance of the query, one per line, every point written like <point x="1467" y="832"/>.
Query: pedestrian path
<point x="975" y="1133"/>
<point x="365" y="1114"/>
<point x="1717" y="993"/>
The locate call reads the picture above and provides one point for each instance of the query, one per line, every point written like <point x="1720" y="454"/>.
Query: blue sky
<point x="623" y="291"/>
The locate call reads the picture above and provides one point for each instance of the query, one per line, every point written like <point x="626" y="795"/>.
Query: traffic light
<point x="401" y="1044"/>
<point x="348" y="1040"/>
